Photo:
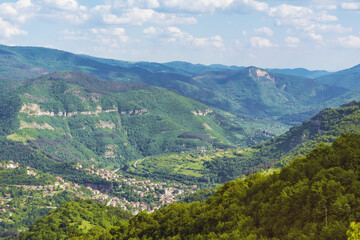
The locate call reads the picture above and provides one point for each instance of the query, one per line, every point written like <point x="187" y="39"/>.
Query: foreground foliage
<point x="315" y="197"/>
<point x="76" y="218"/>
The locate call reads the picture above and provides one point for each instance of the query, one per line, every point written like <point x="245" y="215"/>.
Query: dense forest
<point x="314" y="197"/>
<point x="76" y="218"/>
<point x="220" y="167"/>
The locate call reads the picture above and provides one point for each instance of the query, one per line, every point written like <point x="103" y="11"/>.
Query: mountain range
<point x="73" y="116"/>
<point x="243" y="91"/>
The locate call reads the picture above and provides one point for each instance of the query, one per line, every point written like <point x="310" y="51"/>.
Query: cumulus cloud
<point x="73" y="35"/>
<point x="292" y="41"/>
<point x="197" y="5"/>
<point x="112" y="37"/>
<point x="314" y="36"/>
<point x="70" y="5"/>
<point x="134" y="3"/>
<point x="193" y="6"/>
<point x="259" y="42"/>
<point x="8" y="30"/>
<point x="350" y="5"/>
<point x="13" y="15"/>
<point x="19" y="11"/>
<point x="264" y="31"/>
<point x="137" y="16"/>
<point x="349" y="41"/>
<point x="177" y="36"/>
<point x="325" y="28"/>
<point x="297" y="16"/>
<point x="68" y="10"/>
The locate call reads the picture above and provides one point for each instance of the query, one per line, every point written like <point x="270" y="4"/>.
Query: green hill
<point x="25" y="196"/>
<point x="76" y="218"/>
<point x="315" y="197"/>
<point x="71" y="116"/>
<point x="256" y="92"/>
<point x="348" y="78"/>
<point x="301" y="72"/>
<point x="277" y="152"/>
<point x="249" y="91"/>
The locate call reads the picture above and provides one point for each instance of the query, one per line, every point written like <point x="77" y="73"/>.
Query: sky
<point x="313" y="34"/>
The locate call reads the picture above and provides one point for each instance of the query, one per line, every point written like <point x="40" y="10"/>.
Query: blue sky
<point x="315" y="34"/>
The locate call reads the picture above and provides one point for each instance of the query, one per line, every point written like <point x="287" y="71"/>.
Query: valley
<point x="135" y="137"/>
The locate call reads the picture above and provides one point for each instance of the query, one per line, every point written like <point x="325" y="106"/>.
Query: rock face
<point x="261" y="76"/>
<point x="106" y="124"/>
<point x="134" y="112"/>
<point x="35" y="125"/>
<point x="200" y="113"/>
<point x="34" y="109"/>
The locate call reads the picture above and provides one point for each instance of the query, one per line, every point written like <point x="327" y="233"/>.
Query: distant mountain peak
<point x="260" y="75"/>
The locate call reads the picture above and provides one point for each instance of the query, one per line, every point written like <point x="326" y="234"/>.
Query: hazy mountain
<point x="301" y="72"/>
<point x="348" y="78"/>
<point x="256" y="92"/>
<point x="247" y="91"/>
<point x="198" y="68"/>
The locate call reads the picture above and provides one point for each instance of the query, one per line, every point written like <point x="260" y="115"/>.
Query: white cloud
<point x="8" y="30"/>
<point x="68" y="10"/>
<point x="350" y="5"/>
<point x="258" y="42"/>
<point x="349" y="41"/>
<point x="202" y="6"/>
<point x="177" y="36"/>
<point x="323" y="6"/>
<point x="297" y="16"/>
<point x="265" y="31"/>
<point x="150" y="31"/>
<point x="194" y="6"/>
<point x="292" y="41"/>
<point x="69" y="5"/>
<point x="73" y="35"/>
<point x="314" y="36"/>
<point x="325" y="28"/>
<point x="19" y="11"/>
<point x="137" y="16"/>
<point x="134" y="3"/>
<point x="111" y="37"/>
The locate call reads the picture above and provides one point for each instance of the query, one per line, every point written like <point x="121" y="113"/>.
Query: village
<point x="132" y="194"/>
<point x="150" y="195"/>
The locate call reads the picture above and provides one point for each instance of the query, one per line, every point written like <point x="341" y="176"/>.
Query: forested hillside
<point x="77" y="218"/>
<point x="315" y="197"/>
<point x="72" y="116"/>
<point x="223" y="166"/>
<point x="248" y="91"/>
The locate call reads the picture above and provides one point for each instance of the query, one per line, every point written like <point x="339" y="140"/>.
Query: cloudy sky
<point x="315" y="34"/>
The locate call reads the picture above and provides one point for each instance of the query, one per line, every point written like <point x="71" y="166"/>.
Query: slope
<point x="76" y="218"/>
<point x="256" y="92"/>
<point x="301" y="72"/>
<point x="348" y="78"/>
<point x="72" y="116"/>
<point x="27" y="194"/>
<point x="252" y="92"/>
<point x="312" y="198"/>
<point x="223" y="166"/>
